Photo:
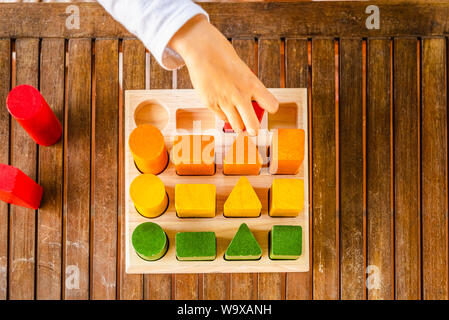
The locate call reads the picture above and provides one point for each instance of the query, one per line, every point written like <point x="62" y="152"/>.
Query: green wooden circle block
<point x="149" y="241"/>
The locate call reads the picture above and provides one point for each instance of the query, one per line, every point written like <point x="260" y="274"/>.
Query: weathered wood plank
<point x="105" y="175"/>
<point x="131" y="286"/>
<point x="244" y="285"/>
<point x="298" y="285"/>
<point x="380" y="245"/>
<point x="216" y="286"/>
<point x="49" y="228"/>
<point x="183" y="78"/>
<point x="24" y="156"/>
<point x="271" y="286"/>
<point x="158" y="286"/>
<point x="324" y="182"/>
<point x="434" y="169"/>
<point x="78" y="171"/>
<point x="352" y="232"/>
<point x="5" y="81"/>
<point x="332" y="19"/>
<point x="406" y="169"/>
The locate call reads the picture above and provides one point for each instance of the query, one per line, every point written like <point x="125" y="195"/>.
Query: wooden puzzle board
<point x="181" y="112"/>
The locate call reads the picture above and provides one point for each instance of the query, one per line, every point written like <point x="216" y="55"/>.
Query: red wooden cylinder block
<point x="19" y="189"/>
<point x="29" y="108"/>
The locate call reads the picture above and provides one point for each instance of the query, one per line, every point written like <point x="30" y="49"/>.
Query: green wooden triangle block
<point x="243" y="246"/>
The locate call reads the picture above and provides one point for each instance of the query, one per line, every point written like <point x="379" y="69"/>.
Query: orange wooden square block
<point x="194" y="155"/>
<point x="287" y="151"/>
<point x="242" y="158"/>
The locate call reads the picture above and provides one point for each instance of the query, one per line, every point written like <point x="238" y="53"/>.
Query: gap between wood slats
<point x="364" y="88"/>
<point x="120" y="167"/>
<point x="420" y="206"/>
<point x="393" y="229"/>
<point x="337" y="159"/>
<point x="64" y="157"/>
<point x="36" y="222"/>
<point x="13" y="84"/>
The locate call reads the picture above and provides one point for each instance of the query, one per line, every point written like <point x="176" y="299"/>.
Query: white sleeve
<point x="155" y="22"/>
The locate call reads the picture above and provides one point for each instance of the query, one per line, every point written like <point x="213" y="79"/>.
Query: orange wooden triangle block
<point x="242" y="158"/>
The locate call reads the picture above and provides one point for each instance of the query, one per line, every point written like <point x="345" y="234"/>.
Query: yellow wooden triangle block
<point x="243" y="201"/>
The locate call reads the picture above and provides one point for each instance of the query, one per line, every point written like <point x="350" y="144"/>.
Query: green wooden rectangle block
<point x="286" y="242"/>
<point x="196" y="246"/>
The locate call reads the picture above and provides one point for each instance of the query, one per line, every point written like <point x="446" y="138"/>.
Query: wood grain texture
<point x="406" y="169"/>
<point x="105" y="176"/>
<point x="380" y="245"/>
<point x="434" y="169"/>
<point x="5" y="81"/>
<point x="324" y="184"/>
<point x="298" y="285"/>
<point x="24" y="156"/>
<point x="352" y="232"/>
<point x="244" y="285"/>
<point x="183" y="78"/>
<point x="78" y="171"/>
<point x="271" y="286"/>
<point x="131" y="286"/>
<point x="49" y="238"/>
<point x="158" y="287"/>
<point x="342" y="18"/>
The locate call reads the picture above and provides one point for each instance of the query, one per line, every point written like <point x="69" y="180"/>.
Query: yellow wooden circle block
<point x="242" y="201"/>
<point x="148" y="195"/>
<point x="195" y="200"/>
<point x="147" y="146"/>
<point x="286" y="197"/>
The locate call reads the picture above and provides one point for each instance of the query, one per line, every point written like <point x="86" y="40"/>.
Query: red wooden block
<point x="29" y="108"/>
<point x="19" y="189"/>
<point x="259" y="113"/>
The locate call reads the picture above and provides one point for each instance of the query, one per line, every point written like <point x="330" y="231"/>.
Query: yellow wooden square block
<point x="195" y="200"/>
<point x="286" y="197"/>
<point x="243" y="201"/>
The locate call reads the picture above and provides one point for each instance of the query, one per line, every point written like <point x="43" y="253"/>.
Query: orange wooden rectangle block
<point x="194" y="155"/>
<point x="242" y="158"/>
<point x="287" y="151"/>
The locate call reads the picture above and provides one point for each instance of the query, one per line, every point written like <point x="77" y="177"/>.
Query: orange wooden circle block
<point x="287" y="151"/>
<point x="194" y="155"/>
<point x="242" y="158"/>
<point x="148" y="194"/>
<point x="148" y="148"/>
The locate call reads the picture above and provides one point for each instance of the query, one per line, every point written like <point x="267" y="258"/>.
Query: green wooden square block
<point x="196" y="246"/>
<point x="286" y="242"/>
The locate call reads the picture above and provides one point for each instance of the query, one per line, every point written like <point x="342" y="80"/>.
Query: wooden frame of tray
<point x="182" y="112"/>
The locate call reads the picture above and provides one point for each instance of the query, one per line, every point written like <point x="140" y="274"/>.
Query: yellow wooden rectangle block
<point x="286" y="197"/>
<point x="195" y="200"/>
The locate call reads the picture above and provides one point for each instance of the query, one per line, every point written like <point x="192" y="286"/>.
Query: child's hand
<point x="222" y="79"/>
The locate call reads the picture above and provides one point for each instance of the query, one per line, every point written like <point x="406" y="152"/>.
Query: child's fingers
<point x="266" y="100"/>
<point x="234" y="118"/>
<point x="218" y="111"/>
<point x="248" y="116"/>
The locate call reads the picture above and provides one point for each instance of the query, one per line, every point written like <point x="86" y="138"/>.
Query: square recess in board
<point x="180" y="111"/>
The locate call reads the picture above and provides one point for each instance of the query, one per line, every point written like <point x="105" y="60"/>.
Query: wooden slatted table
<point x="378" y="137"/>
